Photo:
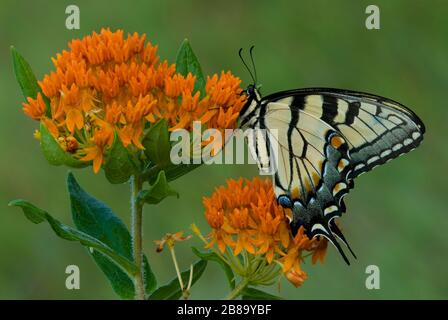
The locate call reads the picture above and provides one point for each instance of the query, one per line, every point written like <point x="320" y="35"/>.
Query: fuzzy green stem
<point x="137" y="231"/>
<point x="238" y="289"/>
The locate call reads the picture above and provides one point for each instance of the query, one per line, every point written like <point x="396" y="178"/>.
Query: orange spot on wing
<point x="308" y="187"/>
<point x="316" y="179"/>
<point x="288" y="213"/>
<point x="295" y="193"/>
<point x="340" y="186"/>
<point x="341" y="165"/>
<point x="321" y="165"/>
<point x="337" y="188"/>
<point x="337" y="141"/>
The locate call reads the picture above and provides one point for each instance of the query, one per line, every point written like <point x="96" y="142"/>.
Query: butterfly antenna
<point x="253" y="63"/>
<point x="245" y="64"/>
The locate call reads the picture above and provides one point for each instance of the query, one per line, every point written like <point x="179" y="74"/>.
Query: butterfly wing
<point x="377" y="129"/>
<point x="324" y="139"/>
<point x="312" y="167"/>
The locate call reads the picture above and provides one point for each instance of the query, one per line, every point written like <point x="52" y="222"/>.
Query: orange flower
<point x="121" y="80"/>
<point x="225" y="96"/>
<point x="35" y="108"/>
<point x="319" y="251"/>
<point x="221" y="229"/>
<point x="245" y="217"/>
<point x="296" y="276"/>
<point x="102" y="138"/>
<point x="170" y="239"/>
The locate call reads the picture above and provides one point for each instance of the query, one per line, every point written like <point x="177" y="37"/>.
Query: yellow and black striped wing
<point x="323" y="139"/>
<point x="376" y="129"/>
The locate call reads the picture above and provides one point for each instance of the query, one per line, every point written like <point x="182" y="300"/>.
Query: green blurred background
<point x="397" y="215"/>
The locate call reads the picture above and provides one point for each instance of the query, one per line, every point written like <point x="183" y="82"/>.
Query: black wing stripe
<point x="329" y="109"/>
<point x="292" y="124"/>
<point x="298" y="102"/>
<point x="352" y="112"/>
<point x="302" y="188"/>
<point x="305" y="141"/>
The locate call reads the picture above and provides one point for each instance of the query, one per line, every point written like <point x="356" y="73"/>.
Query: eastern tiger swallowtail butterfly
<point x="326" y="138"/>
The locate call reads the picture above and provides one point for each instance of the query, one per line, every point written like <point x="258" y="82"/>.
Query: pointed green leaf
<point x="157" y="144"/>
<point x="120" y="281"/>
<point x="174" y="172"/>
<point x="119" y="165"/>
<point x="53" y="152"/>
<point x="186" y="62"/>
<point x="158" y="191"/>
<point x="98" y="220"/>
<point x="172" y="290"/>
<point x="211" y="256"/>
<point x="26" y="78"/>
<point x="255" y="294"/>
<point x="37" y="215"/>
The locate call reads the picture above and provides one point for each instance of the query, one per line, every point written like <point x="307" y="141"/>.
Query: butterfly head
<point x="252" y="93"/>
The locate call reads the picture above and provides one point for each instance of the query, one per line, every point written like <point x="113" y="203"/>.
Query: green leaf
<point x="158" y="191"/>
<point x="255" y="294"/>
<point x="186" y="61"/>
<point x="26" y="78"/>
<point x="98" y="220"/>
<point x="157" y="144"/>
<point x="211" y="256"/>
<point x="174" y="172"/>
<point x="53" y="152"/>
<point x="119" y="280"/>
<point x="172" y="290"/>
<point x="119" y="165"/>
<point x="37" y="215"/>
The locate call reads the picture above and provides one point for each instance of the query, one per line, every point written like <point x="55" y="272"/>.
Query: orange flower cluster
<point x="245" y="216"/>
<point x="108" y="83"/>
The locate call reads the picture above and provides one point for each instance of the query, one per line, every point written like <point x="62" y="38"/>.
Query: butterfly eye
<point x="250" y="91"/>
<point x="285" y="201"/>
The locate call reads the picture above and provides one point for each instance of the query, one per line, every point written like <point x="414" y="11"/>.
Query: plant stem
<point x="238" y="289"/>
<point x="137" y="231"/>
<point x="176" y="266"/>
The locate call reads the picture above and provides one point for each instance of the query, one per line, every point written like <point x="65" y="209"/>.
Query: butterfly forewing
<point x="377" y="129"/>
<point x="301" y="141"/>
